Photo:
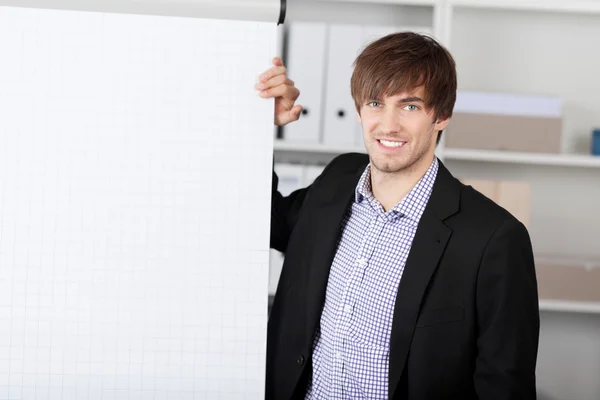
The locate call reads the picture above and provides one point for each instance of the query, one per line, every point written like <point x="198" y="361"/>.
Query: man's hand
<point x="275" y="83"/>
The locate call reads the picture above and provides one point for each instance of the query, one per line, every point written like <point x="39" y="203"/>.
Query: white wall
<point x="534" y="52"/>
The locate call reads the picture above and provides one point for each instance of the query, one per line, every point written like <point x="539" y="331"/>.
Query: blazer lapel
<point x="427" y="248"/>
<point x="328" y="217"/>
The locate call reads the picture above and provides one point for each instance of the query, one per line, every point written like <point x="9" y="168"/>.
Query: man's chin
<point x="389" y="167"/>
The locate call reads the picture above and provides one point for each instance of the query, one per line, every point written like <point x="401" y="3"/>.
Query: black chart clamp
<point x="282" y="12"/>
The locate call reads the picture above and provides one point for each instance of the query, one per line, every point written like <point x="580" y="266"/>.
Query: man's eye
<point x="374" y="104"/>
<point x="411" y="107"/>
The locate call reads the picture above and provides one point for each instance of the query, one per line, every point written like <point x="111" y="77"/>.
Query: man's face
<point x="399" y="131"/>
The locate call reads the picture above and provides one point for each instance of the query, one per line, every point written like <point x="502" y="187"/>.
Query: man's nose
<point x="391" y="122"/>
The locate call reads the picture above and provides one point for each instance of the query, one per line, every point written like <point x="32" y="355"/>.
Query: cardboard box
<point x="505" y="121"/>
<point x="513" y="196"/>
<point x="505" y="133"/>
<point x="567" y="280"/>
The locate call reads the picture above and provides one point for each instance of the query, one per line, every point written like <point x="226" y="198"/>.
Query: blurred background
<point x="526" y="133"/>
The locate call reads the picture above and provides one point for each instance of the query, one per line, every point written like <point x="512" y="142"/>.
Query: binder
<point x="345" y="44"/>
<point x="306" y="67"/>
<point x="291" y="178"/>
<point x="340" y="122"/>
<point x="370" y="34"/>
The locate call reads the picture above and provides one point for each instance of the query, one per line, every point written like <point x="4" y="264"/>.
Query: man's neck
<point x="390" y="188"/>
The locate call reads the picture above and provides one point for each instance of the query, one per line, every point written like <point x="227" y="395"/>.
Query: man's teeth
<point x="387" y="143"/>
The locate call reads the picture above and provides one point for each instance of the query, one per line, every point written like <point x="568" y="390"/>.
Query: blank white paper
<point x="135" y="175"/>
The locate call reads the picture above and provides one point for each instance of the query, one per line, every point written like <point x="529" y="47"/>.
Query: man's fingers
<point x="296" y="110"/>
<point x="289" y="116"/>
<point x="287" y="92"/>
<point x="272" y="72"/>
<point x="273" y="82"/>
<point x="276" y="81"/>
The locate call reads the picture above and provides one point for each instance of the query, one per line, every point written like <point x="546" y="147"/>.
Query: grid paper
<point x="135" y="173"/>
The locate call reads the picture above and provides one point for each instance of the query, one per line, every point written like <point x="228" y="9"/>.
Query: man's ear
<point x="441" y="124"/>
<point x="358" y="118"/>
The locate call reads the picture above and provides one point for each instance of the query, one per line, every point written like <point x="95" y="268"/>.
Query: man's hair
<point x="402" y="62"/>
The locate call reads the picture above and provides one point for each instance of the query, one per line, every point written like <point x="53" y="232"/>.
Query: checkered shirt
<point x="351" y="348"/>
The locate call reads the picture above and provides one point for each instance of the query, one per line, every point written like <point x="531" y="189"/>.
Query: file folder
<point x="346" y="42"/>
<point x="340" y="122"/>
<point x="306" y="51"/>
<point x="370" y="34"/>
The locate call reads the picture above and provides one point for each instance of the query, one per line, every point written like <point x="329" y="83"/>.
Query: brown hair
<point x="401" y="62"/>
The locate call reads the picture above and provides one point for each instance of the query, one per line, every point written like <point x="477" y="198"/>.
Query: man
<point x="399" y="282"/>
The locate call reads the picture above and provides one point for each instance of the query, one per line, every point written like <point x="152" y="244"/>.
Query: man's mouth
<point x="391" y="143"/>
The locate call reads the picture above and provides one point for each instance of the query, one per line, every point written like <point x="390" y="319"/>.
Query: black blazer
<point x="466" y="317"/>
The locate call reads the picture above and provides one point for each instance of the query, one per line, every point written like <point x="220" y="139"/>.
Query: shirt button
<point x="361" y="261"/>
<point x="338" y="355"/>
<point x="348" y="308"/>
<point x="300" y="360"/>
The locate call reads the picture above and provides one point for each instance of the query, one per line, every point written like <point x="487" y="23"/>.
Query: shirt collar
<point x="412" y="206"/>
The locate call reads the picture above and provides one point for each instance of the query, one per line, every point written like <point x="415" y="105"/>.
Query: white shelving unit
<point x="557" y="160"/>
<point x="466" y="27"/>
<point x="571" y="6"/>
<point x="311" y="153"/>
<point x="394" y="2"/>
<point x="487" y="156"/>
<point x="570" y="306"/>
<point x="310" y="148"/>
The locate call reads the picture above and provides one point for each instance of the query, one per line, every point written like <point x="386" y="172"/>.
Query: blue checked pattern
<point x="351" y="349"/>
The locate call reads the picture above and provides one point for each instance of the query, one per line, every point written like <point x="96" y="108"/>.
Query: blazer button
<point x="300" y="360"/>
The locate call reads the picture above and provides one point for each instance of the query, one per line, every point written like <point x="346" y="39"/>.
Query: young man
<point x="399" y="282"/>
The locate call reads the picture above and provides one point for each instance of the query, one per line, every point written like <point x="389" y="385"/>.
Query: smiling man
<point x="399" y="282"/>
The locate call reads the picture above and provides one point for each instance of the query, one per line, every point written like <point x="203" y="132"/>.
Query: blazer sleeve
<point x="285" y="211"/>
<point x="508" y="316"/>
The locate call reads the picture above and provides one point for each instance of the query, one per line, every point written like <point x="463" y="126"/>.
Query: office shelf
<point x="568" y="284"/>
<point x="565" y="160"/>
<point x="569" y="306"/>
<point x="297" y="147"/>
<point x="430" y="3"/>
<point x="316" y="153"/>
<point x="571" y="6"/>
